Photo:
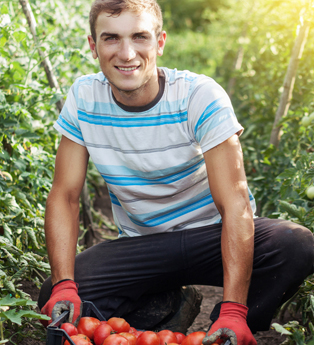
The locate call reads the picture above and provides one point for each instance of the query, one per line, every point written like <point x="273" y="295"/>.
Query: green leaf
<point x="12" y="315"/>
<point x="9" y="301"/>
<point x="33" y="315"/>
<point x="32" y="236"/>
<point x="19" y="35"/>
<point x="280" y="329"/>
<point x="55" y="98"/>
<point x="293" y="210"/>
<point x="7" y="284"/>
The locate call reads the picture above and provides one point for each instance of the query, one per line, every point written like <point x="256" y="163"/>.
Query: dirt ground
<point x="211" y="295"/>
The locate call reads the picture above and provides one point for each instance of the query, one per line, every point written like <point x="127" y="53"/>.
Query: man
<point x="167" y="144"/>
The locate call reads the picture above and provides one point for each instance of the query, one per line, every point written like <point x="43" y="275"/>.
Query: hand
<point x="231" y="325"/>
<point x="64" y="297"/>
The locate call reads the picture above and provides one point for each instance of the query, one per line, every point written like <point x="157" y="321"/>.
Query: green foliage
<point x="189" y="14"/>
<point x="247" y="43"/>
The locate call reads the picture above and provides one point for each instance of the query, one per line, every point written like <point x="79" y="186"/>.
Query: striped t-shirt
<point x="152" y="159"/>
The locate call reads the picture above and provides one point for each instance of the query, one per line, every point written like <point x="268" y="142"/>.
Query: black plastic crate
<point x="56" y="335"/>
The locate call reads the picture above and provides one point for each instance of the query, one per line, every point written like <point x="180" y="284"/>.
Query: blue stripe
<point x="139" y="181"/>
<point x="69" y="128"/>
<point x="155" y="218"/>
<point x="114" y="199"/>
<point x="121" y="170"/>
<point x="69" y="117"/>
<point x="212" y="123"/>
<point x="107" y="120"/>
<point x="210" y="110"/>
<point x="105" y="107"/>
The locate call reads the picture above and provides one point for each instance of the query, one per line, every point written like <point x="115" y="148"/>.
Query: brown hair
<point x="115" y="7"/>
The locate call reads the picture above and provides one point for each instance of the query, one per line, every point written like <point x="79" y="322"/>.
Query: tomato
<point x="194" y="338"/>
<point x="118" y="324"/>
<point x="101" y="333"/>
<point x="78" y="340"/>
<point x="173" y="344"/>
<point x="166" y="337"/>
<point x="148" y="338"/>
<point x="180" y="336"/>
<point x="138" y="333"/>
<point x="115" y="339"/>
<point x="87" y="326"/>
<point x="69" y="328"/>
<point x="129" y="336"/>
<point x="132" y="330"/>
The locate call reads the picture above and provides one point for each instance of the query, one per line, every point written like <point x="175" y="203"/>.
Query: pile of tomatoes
<point x="117" y="331"/>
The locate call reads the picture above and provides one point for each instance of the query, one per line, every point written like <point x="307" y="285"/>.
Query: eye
<point x="141" y="37"/>
<point x="111" y="38"/>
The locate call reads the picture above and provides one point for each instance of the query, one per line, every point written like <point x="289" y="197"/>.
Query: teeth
<point x="127" y="69"/>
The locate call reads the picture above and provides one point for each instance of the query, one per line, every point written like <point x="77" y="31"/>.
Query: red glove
<point x="64" y="296"/>
<point x="231" y="325"/>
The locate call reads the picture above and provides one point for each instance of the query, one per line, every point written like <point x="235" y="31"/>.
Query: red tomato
<point x="173" y="344"/>
<point x="87" y="326"/>
<point x="132" y="330"/>
<point x="138" y="333"/>
<point x="101" y="333"/>
<point x="194" y="338"/>
<point x="148" y="338"/>
<point x="69" y="328"/>
<point x="115" y="339"/>
<point x="180" y="336"/>
<point x="166" y="337"/>
<point x="118" y="324"/>
<point x="78" y="340"/>
<point x="129" y="336"/>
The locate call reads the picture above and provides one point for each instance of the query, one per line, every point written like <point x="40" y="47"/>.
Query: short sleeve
<point x="67" y="123"/>
<point x="211" y="117"/>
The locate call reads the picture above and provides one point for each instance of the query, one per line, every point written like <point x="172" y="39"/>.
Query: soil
<point x="211" y="294"/>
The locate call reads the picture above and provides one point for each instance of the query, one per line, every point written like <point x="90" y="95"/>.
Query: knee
<point x="295" y="245"/>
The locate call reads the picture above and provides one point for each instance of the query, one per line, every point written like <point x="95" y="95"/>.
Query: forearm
<point x="237" y="242"/>
<point x="61" y="230"/>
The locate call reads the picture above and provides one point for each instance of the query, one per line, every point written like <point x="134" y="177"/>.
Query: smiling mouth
<point x="127" y="68"/>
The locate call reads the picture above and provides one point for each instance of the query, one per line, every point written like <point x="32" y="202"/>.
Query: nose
<point x="126" y="51"/>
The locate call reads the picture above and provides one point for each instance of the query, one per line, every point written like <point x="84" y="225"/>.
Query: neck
<point x="139" y="97"/>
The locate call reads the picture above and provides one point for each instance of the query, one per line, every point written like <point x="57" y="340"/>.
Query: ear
<point x="92" y="46"/>
<point x="161" y="43"/>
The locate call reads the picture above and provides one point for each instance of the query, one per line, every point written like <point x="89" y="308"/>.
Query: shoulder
<point x="88" y="81"/>
<point x="195" y="84"/>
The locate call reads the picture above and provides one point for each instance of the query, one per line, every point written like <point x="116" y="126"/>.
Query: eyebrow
<point x="111" y="34"/>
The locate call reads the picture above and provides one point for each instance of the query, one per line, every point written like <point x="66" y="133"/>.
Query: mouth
<point x="127" y="69"/>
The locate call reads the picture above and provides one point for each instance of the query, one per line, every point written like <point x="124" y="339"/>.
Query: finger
<point x="212" y="338"/>
<point x="58" y="309"/>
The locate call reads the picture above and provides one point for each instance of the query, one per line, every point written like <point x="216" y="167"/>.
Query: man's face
<point x="127" y="48"/>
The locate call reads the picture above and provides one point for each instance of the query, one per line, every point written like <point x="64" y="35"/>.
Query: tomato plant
<point x="87" y="326"/>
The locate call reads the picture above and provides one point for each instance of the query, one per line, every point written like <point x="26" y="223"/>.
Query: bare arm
<point x="62" y="209"/>
<point x="228" y="185"/>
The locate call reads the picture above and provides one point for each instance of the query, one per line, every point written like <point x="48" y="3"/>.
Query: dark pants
<point x="120" y="275"/>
